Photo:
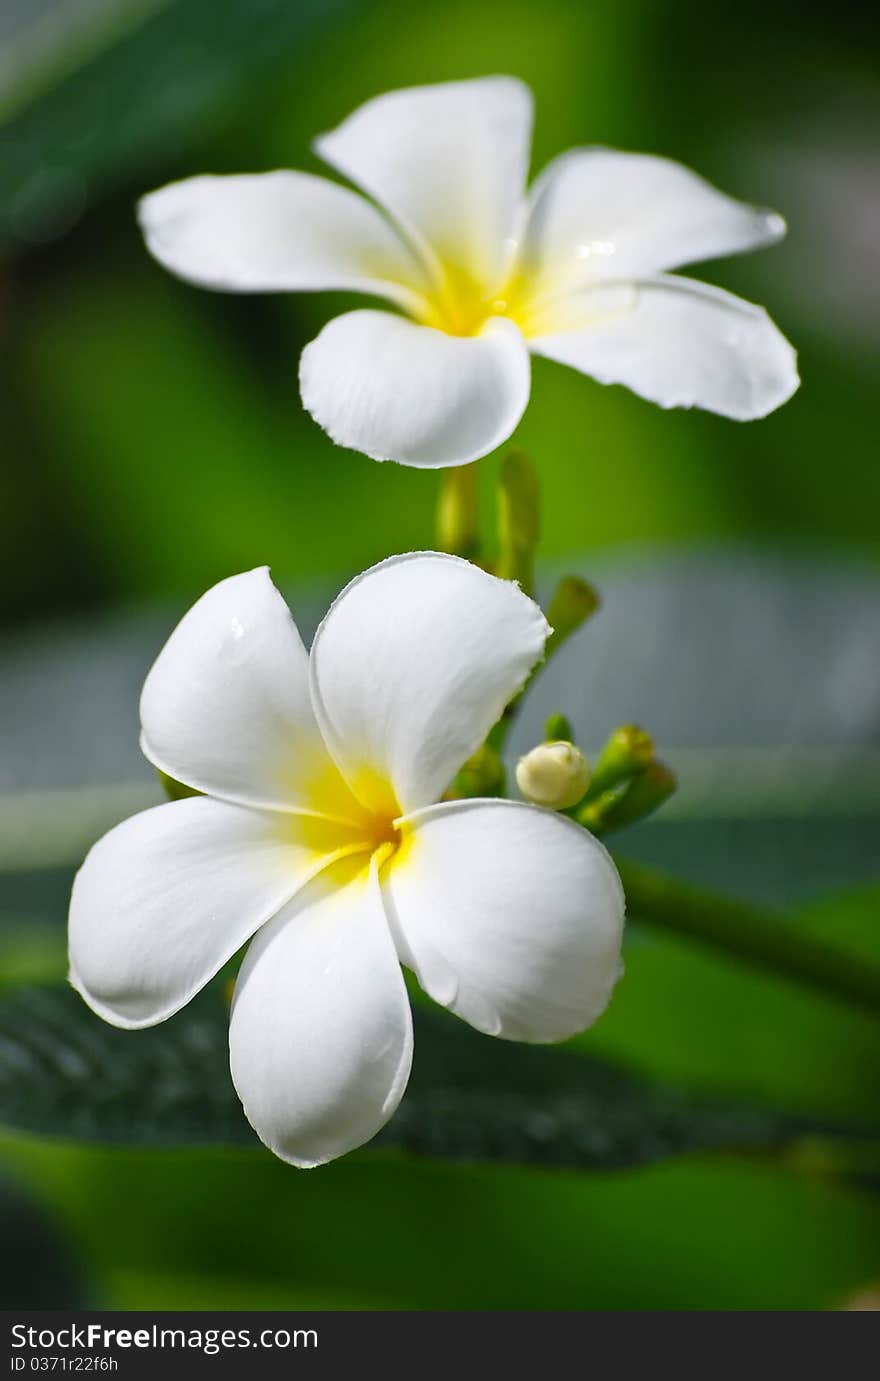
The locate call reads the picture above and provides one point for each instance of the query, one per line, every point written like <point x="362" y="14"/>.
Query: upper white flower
<point x="319" y="829"/>
<point x="483" y="271"/>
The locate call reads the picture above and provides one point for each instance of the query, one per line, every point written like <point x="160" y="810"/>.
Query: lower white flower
<point x="320" y="832"/>
<point x="484" y="272"/>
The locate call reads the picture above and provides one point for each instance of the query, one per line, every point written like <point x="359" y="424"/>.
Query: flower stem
<point x="750" y="933"/>
<point x="519" y="520"/>
<point x="458" y="519"/>
<point x="581" y="605"/>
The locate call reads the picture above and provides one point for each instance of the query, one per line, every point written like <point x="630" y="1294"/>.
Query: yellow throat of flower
<point x="462" y="306"/>
<point x="334" y="826"/>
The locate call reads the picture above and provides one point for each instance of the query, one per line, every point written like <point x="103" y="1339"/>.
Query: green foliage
<point x="231" y="1229"/>
<point x="65" y="1074"/>
<point x="685" y="1013"/>
<point x="156" y="87"/>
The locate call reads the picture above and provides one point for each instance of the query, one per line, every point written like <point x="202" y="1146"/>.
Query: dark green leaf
<point x="145" y="96"/>
<point x="63" y="1073"/>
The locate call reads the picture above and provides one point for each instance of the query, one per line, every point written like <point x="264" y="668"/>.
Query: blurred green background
<point x="154" y="442"/>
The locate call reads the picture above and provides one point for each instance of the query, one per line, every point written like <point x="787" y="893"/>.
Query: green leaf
<point x="684" y="1014"/>
<point x="44" y="40"/>
<point x="114" y="113"/>
<point x="32" y="950"/>
<point x="63" y="1073"/>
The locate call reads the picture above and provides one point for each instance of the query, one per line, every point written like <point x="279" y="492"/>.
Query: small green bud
<point x="573" y="602"/>
<point x="592" y="814"/>
<point x="519" y="519"/>
<point x="641" y="796"/>
<point x="558" y="727"/>
<point x="482" y="775"/>
<point x="175" y="790"/>
<point x="553" y="774"/>
<point x="628" y="751"/>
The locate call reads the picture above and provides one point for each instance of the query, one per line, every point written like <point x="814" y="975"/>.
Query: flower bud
<point x="642" y="795"/>
<point x="573" y="602"/>
<point x="628" y="752"/>
<point x="553" y="774"/>
<point x="557" y="727"/>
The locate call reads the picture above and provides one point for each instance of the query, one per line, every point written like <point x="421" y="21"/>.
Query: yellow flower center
<point x="461" y="306"/>
<point x="383" y="836"/>
<point x="334" y="826"/>
<point x="538" y="303"/>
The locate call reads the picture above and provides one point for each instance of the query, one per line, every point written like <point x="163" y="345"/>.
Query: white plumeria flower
<point x="320" y="829"/>
<point x="483" y="272"/>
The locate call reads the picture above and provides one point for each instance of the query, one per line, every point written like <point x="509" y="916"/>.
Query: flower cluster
<point x="322" y="830"/>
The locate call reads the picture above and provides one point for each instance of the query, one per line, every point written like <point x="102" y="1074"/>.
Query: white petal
<point x="448" y="161"/>
<point x="276" y="232"/>
<point x="380" y="384"/>
<point x="510" y="915"/>
<point x="226" y="707"/>
<point x="321" y="1034"/>
<point x="598" y="213"/>
<point x="681" y="344"/>
<point x="165" y="898"/>
<point x="411" y="668"/>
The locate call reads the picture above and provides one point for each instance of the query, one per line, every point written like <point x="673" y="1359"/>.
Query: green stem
<point x="519" y="520"/>
<point x="573" y="602"/>
<point x="749" y="932"/>
<point x="458" y="518"/>
<point x="498" y="735"/>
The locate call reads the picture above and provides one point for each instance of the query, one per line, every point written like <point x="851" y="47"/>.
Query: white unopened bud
<point x="553" y="774"/>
